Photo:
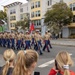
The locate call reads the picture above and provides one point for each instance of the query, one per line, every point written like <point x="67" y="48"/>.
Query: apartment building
<point x="15" y="12"/>
<point x="36" y="10"/>
<point x="70" y="29"/>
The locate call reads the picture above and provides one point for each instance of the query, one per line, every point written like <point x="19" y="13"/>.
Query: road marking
<point x="70" y="54"/>
<point x="48" y="63"/>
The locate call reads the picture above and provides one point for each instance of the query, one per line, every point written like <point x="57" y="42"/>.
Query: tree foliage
<point x="60" y="15"/>
<point x="3" y="15"/>
<point x="23" y="24"/>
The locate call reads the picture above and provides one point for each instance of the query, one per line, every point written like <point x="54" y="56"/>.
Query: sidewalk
<point x="64" y="42"/>
<point x="65" y="39"/>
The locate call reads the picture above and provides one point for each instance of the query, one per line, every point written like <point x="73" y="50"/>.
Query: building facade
<point x="36" y="10"/>
<point x="69" y="30"/>
<point x="15" y="12"/>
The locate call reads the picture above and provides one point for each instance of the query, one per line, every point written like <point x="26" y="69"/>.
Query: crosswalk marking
<point x="48" y="63"/>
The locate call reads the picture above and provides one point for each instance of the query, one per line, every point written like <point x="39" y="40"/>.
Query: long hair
<point x="8" y="56"/>
<point x="24" y="61"/>
<point x="63" y="58"/>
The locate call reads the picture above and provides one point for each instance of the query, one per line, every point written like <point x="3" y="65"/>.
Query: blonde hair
<point x="63" y="58"/>
<point x="8" y="56"/>
<point x="24" y="61"/>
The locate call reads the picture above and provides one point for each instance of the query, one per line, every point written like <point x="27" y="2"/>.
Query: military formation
<point x="18" y="41"/>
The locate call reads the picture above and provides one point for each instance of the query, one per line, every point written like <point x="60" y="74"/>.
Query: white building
<point x="15" y="12"/>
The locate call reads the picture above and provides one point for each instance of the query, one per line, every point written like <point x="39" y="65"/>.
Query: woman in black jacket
<point x="9" y="57"/>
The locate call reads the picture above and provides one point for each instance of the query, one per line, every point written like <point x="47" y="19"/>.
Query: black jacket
<point x="10" y="70"/>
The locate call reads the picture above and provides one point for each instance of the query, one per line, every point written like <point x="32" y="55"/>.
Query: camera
<point x="56" y="65"/>
<point x="36" y="73"/>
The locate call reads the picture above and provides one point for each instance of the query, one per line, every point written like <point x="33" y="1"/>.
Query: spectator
<point x="26" y="62"/>
<point x="62" y="63"/>
<point x="9" y="57"/>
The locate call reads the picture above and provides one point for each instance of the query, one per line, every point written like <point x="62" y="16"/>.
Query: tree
<point x="22" y="24"/>
<point x="60" y="15"/>
<point x="3" y="15"/>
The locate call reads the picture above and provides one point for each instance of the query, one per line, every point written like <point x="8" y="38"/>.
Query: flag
<point x="32" y="27"/>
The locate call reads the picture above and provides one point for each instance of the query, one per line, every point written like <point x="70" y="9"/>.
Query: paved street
<point x="46" y="61"/>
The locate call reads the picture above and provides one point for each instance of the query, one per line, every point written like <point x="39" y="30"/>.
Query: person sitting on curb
<point x="62" y="63"/>
<point x="9" y="57"/>
<point x="26" y="62"/>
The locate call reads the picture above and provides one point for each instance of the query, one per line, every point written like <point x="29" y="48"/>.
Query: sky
<point x="5" y="2"/>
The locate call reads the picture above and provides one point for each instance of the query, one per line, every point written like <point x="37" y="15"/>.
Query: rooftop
<point x="13" y="4"/>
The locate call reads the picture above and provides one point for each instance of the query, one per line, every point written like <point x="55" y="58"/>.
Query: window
<point x="32" y="14"/>
<point x="21" y="16"/>
<point x="38" y="3"/>
<point x="10" y="11"/>
<point x="50" y="2"/>
<point x="74" y="18"/>
<point x="34" y="23"/>
<point x="37" y="22"/>
<point x="38" y="13"/>
<point x="13" y="11"/>
<point x="73" y="6"/>
<point x="21" y="10"/>
<point x="32" y="5"/>
<point x="12" y="24"/>
<point x="12" y="18"/>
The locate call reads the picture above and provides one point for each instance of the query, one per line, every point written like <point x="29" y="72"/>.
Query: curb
<point x="65" y="39"/>
<point x="63" y="45"/>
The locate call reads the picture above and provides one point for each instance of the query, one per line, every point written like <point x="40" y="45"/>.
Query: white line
<point x="46" y="64"/>
<point x="70" y="54"/>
